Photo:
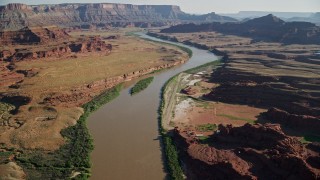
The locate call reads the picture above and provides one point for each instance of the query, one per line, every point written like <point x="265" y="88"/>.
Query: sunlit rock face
<point x="17" y="16"/>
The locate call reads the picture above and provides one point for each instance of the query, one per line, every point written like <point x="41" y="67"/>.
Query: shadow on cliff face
<point x="248" y="152"/>
<point x="267" y="28"/>
<point x="17" y="101"/>
<point x="292" y="124"/>
<point x="285" y="93"/>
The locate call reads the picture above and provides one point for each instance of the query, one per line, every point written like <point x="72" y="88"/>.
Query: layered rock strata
<point x="45" y="42"/>
<point x="16" y="16"/>
<point x="267" y="28"/>
<point x="82" y="94"/>
<point x="248" y="152"/>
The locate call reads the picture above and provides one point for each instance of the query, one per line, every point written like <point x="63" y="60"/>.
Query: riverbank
<point x="266" y="75"/>
<point x="125" y="131"/>
<point x="256" y="76"/>
<point x="189" y="43"/>
<point x="167" y="104"/>
<point x="73" y="158"/>
<point x="36" y="143"/>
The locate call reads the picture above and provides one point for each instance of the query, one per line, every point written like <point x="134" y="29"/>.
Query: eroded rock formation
<point x="45" y="42"/>
<point x="305" y="123"/>
<point x="82" y="94"/>
<point x="267" y="28"/>
<point x="264" y="91"/>
<point x="34" y="35"/>
<point x="248" y="152"/>
<point x="16" y="16"/>
<point x="8" y="77"/>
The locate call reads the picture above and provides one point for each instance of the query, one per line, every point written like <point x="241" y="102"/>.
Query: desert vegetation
<point x="5" y="110"/>
<point x="74" y="155"/>
<point x="171" y="154"/>
<point x="50" y="133"/>
<point x="255" y="109"/>
<point x="203" y="115"/>
<point x="255" y="76"/>
<point x="172" y="157"/>
<point x="206" y="127"/>
<point x="141" y="85"/>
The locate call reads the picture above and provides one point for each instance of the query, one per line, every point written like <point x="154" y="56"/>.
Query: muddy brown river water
<point x="125" y="131"/>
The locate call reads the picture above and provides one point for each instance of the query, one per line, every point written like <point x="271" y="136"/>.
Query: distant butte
<point x="267" y="28"/>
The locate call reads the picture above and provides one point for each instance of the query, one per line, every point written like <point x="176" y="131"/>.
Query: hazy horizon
<point x="204" y="6"/>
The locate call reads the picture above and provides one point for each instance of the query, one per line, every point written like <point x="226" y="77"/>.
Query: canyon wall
<point x="248" y="152"/>
<point x="44" y="42"/>
<point x="84" y="93"/>
<point x="298" y="122"/>
<point x="34" y="35"/>
<point x="267" y="28"/>
<point x="17" y="16"/>
<point x="254" y="89"/>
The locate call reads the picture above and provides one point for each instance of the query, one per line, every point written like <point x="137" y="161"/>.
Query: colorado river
<point x="125" y="131"/>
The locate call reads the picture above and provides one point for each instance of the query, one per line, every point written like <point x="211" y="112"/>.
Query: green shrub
<point x="141" y="85"/>
<point x="206" y="127"/>
<point x="172" y="158"/>
<point x="171" y="154"/>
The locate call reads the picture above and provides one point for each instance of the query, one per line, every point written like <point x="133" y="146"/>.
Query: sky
<point x="205" y="6"/>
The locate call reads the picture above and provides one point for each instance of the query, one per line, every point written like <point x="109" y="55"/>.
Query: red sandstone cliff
<point x="82" y="94"/>
<point x="305" y="123"/>
<point x="35" y="35"/>
<point x="45" y="42"/>
<point x="16" y="16"/>
<point x="248" y="152"/>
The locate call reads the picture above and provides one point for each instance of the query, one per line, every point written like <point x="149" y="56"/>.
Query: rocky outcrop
<point x="247" y="152"/>
<point x="112" y="37"/>
<point x="8" y="78"/>
<point x="82" y="94"/>
<point x="58" y="52"/>
<point x="93" y="44"/>
<point x="298" y="122"/>
<point x="239" y="87"/>
<point x="256" y="151"/>
<point x="28" y="72"/>
<point x="16" y="16"/>
<point x="25" y="54"/>
<point x="289" y="93"/>
<point x="267" y="28"/>
<point x="5" y="54"/>
<point x="35" y="35"/>
<point x="45" y="42"/>
<point x="264" y="91"/>
<point x="190" y="90"/>
<point x="15" y="99"/>
<point x="15" y="6"/>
